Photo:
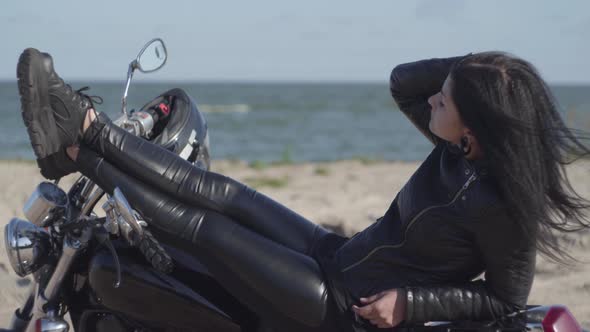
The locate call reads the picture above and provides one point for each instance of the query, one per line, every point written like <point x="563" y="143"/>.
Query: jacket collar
<point x="480" y="166"/>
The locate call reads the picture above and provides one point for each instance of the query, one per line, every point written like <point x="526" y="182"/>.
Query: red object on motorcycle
<point x="560" y="319"/>
<point x="164" y="108"/>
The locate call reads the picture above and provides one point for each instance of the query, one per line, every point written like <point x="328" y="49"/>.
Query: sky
<point x="304" y="40"/>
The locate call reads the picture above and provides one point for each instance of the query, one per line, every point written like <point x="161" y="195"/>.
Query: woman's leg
<point x="267" y="277"/>
<point x="175" y="176"/>
<point x="54" y="115"/>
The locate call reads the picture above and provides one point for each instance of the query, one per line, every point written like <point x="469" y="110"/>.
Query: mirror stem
<point x="130" y="71"/>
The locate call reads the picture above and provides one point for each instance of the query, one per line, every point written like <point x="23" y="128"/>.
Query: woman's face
<point x="445" y="121"/>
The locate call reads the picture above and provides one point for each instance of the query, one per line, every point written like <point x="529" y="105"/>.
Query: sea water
<point x="291" y="122"/>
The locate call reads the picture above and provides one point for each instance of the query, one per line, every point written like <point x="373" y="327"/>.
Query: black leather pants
<point x="259" y="250"/>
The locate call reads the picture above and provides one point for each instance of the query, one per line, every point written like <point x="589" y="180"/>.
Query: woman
<point x="484" y="200"/>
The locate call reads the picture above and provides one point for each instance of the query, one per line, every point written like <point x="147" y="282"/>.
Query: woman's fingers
<point x="371" y="298"/>
<point x="380" y="309"/>
<point x="367" y="312"/>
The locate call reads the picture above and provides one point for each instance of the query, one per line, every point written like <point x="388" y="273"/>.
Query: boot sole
<point x="35" y="104"/>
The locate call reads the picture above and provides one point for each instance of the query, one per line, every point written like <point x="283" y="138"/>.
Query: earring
<point x="465" y="146"/>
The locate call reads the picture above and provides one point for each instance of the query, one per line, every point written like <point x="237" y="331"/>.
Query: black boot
<point x="52" y="112"/>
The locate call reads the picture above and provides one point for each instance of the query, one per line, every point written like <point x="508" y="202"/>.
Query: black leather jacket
<point x="444" y="228"/>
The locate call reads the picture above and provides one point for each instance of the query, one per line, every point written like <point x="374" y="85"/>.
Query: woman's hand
<point x="385" y="309"/>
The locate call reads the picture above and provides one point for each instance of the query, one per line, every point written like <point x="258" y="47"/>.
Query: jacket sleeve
<point x="412" y="83"/>
<point x="509" y="257"/>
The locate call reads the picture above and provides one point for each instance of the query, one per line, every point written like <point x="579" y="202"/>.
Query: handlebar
<point x="155" y="253"/>
<point x="119" y="220"/>
<point x="141" y="123"/>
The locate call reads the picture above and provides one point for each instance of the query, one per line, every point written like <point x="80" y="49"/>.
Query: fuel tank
<point x="159" y="299"/>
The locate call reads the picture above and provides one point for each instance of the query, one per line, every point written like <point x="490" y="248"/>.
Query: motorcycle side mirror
<point x="131" y="229"/>
<point x="152" y="57"/>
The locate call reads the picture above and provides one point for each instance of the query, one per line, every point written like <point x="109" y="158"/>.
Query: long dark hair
<point x="515" y="119"/>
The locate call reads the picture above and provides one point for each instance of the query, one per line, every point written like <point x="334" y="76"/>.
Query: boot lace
<point x="91" y="99"/>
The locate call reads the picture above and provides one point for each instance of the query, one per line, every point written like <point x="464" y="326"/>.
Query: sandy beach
<point x="345" y="195"/>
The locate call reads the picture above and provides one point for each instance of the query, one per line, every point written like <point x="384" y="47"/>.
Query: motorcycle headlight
<point x="46" y="198"/>
<point x="27" y="246"/>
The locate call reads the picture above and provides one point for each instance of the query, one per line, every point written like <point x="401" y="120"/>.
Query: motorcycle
<point x="114" y="273"/>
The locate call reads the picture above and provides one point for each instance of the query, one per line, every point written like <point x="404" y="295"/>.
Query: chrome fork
<point x="43" y="320"/>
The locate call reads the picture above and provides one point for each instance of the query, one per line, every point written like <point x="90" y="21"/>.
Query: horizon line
<point x="259" y="81"/>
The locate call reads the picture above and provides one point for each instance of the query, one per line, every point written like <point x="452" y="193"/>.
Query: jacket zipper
<point x="466" y="185"/>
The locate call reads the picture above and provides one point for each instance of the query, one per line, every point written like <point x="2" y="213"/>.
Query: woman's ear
<point x="470" y="145"/>
<point x="468" y="134"/>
